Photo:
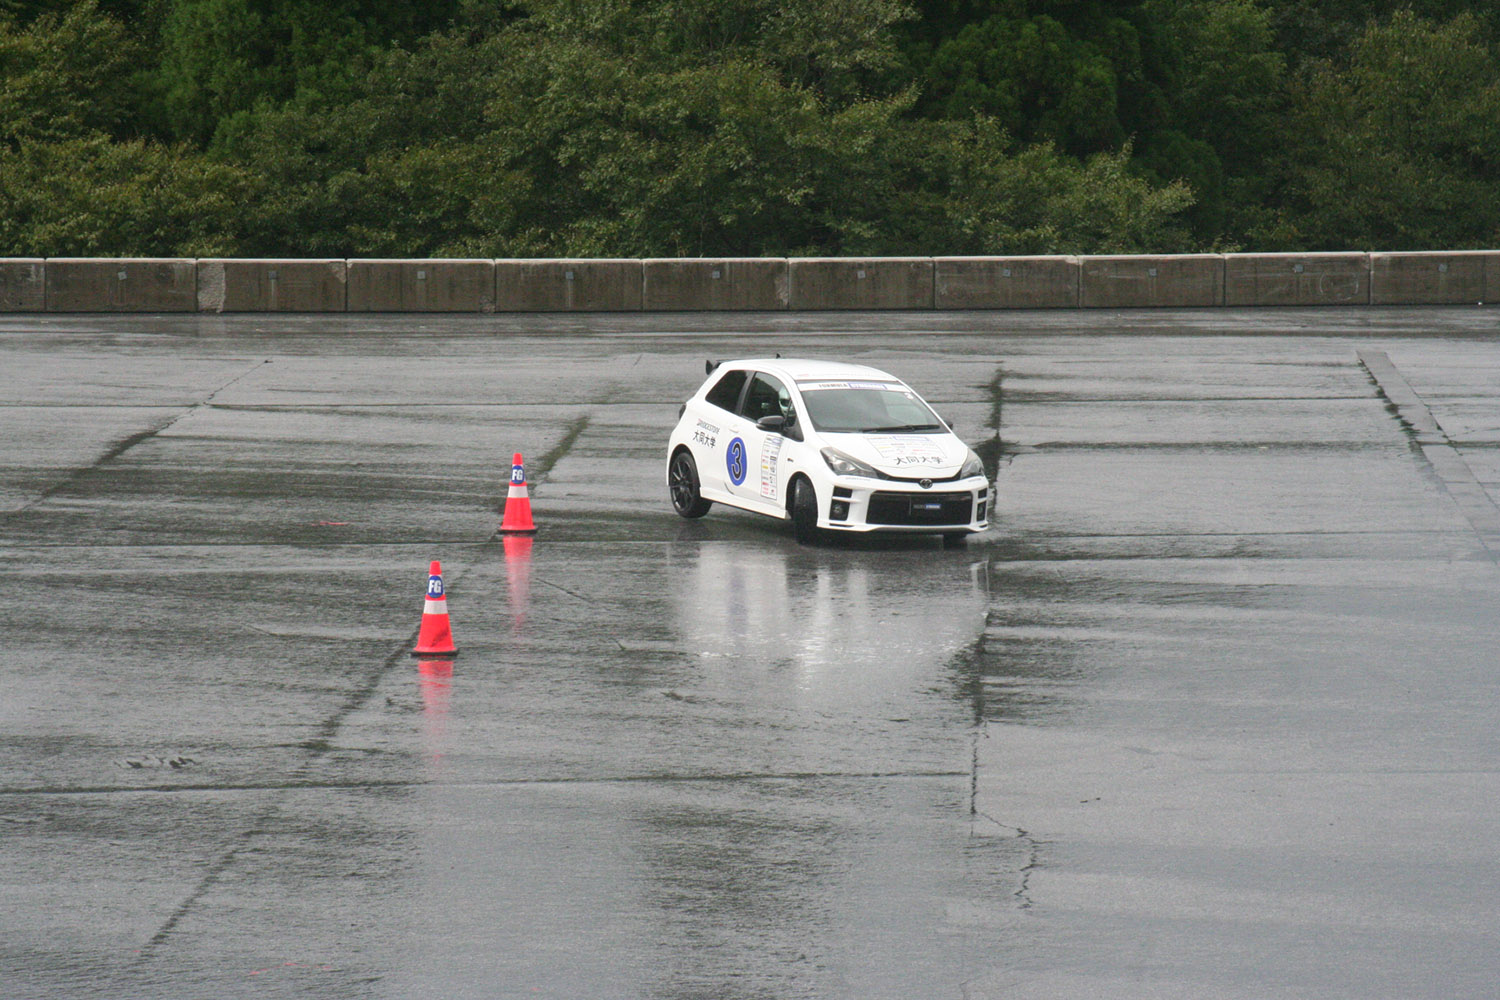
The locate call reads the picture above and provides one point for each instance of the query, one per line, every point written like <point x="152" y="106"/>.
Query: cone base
<point x="434" y="654"/>
<point x="516" y="531"/>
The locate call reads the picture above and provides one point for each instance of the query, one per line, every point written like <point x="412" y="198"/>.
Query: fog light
<point x="838" y="510"/>
<point x="979" y="514"/>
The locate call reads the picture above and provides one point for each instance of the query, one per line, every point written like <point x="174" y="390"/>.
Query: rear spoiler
<point x="711" y="364"/>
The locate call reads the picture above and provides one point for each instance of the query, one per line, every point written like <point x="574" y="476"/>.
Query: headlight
<point x="843" y="465"/>
<point x="973" y="466"/>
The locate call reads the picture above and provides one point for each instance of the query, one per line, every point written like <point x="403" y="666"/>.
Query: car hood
<point x="909" y="456"/>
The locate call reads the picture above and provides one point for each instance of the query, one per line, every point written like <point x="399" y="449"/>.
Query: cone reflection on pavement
<point x="517" y="518"/>
<point x="435" y="637"/>
<point x="435" y="679"/>
<point x="518" y="574"/>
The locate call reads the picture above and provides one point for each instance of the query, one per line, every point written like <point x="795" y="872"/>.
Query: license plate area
<point x="889" y="507"/>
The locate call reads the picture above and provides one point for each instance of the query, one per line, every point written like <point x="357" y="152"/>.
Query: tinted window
<point x="726" y="392"/>
<point x="767" y="398"/>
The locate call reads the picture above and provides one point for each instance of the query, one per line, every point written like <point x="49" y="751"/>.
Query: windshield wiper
<point x="901" y="427"/>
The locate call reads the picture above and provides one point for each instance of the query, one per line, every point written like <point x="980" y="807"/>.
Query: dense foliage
<point x="745" y="127"/>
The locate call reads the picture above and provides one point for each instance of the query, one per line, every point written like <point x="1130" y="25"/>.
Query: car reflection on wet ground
<point x="1208" y="712"/>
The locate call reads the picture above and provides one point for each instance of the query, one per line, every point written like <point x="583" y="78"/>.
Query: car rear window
<point x="726" y="392"/>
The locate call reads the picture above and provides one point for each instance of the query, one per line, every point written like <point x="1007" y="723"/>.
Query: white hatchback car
<point x="827" y="446"/>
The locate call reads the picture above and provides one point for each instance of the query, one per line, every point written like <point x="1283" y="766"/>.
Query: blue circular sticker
<point x="735" y="459"/>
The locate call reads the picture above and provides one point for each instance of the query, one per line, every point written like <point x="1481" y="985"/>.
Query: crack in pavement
<point x="123" y="445"/>
<point x="1433" y="445"/>
<point x="537" y="473"/>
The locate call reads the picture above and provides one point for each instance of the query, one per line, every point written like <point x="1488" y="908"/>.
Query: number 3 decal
<point x="735" y="459"/>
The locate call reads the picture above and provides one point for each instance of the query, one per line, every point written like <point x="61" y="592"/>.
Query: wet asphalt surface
<point x="1213" y="710"/>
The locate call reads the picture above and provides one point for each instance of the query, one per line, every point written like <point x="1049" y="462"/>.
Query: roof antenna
<point x="778" y="354"/>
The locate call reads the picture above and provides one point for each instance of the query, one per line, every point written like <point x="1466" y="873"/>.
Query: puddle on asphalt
<point x="839" y="625"/>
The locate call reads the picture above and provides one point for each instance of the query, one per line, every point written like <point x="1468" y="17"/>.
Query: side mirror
<point x="709" y="366"/>
<point x="773" y="423"/>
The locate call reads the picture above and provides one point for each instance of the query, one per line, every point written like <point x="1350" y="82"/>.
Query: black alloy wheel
<point x="804" y="511"/>
<point x="682" y="478"/>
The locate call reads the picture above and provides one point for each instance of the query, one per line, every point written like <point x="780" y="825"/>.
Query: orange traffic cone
<point x="435" y="639"/>
<point x="517" y="519"/>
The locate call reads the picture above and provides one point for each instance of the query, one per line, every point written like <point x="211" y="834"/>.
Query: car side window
<point x="726" y="392"/>
<point x="768" y="398"/>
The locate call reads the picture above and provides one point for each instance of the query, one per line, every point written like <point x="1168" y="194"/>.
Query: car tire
<point x="682" y="480"/>
<point x="804" y="511"/>
<point x="955" y="539"/>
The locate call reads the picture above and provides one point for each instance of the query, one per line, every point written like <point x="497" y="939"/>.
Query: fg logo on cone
<point x="434" y="586"/>
<point x="517" y="474"/>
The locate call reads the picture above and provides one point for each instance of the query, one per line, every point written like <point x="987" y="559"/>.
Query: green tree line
<point x="523" y="128"/>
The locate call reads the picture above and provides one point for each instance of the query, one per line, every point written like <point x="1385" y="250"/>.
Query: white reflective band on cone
<point x="436" y="607"/>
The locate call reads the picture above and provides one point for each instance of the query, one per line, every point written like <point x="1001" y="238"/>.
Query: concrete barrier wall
<point x="603" y="285"/>
<point x="421" y="286"/>
<point x="1459" y="278"/>
<point x="861" y="283"/>
<point x="88" y="284"/>
<point x="1005" y="282"/>
<point x="76" y="284"/>
<point x="732" y="283"/>
<point x="1285" y="279"/>
<point x="272" y="286"/>
<point x="23" y="284"/>
<point x="1135" y="281"/>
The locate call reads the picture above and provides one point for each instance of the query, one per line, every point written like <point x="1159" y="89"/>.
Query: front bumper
<point x="857" y="504"/>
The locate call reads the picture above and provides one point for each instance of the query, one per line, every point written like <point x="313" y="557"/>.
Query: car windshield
<point x="867" y="407"/>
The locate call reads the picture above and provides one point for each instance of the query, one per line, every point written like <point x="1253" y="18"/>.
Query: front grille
<point x="920" y="508"/>
<point x="917" y="479"/>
